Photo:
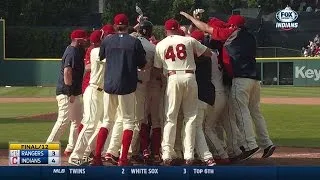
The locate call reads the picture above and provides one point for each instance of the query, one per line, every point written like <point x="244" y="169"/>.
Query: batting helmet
<point x="145" y="28"/>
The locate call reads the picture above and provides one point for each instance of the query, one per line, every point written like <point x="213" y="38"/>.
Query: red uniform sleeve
<point x="222" y="34"/>
<point x="86" y="78"/>
<point x="87" y="57"/>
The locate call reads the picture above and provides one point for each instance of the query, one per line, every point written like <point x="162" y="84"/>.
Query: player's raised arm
<point x="218" y="33"/>
<point x="199" y="24"/>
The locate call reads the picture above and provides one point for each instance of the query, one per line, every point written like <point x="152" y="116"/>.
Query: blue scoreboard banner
<point x="163" y="173"/>
<point x="27" y="154"/>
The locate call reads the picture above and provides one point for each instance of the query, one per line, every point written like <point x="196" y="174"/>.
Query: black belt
<point x="139" y="81"/>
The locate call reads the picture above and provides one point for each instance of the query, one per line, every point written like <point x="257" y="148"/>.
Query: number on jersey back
<point x="181" y="52"/>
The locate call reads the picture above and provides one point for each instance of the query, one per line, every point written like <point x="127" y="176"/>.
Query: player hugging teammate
<point x="191" y="98"/>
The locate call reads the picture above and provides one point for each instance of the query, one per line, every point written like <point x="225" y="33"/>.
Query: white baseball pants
<point x="67" y="112"/>
<point x="93" y="113"/>
<point x="201" y="143"/>
<point x="182" y="89"/>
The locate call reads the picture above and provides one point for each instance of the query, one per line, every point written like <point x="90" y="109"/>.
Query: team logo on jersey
<point x="286" y="19"/>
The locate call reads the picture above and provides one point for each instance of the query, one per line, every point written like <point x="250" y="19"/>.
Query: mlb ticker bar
<point x="156" y="172"/>
<point x="29" y="154"/>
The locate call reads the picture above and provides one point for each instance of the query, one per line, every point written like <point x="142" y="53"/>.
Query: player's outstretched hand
<point x="197" y="13"/>
<point x="141" y="18"/>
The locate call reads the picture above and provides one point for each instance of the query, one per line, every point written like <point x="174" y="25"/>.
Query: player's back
<point x="97" y="68"/>
<point x="177" y="53"/>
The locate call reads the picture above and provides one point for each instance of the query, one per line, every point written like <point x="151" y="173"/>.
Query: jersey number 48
<point x="181" y="52"/>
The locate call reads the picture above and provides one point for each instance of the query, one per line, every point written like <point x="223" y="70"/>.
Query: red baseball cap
<point x="95" y="36"/>
<point x="198" y="35"/>
<point x="171" y="24"/>
<point x="79" y="34"/>
<point x="121" y="19"/>
<point x="236" y="20"/>
<point x="107" y="29"/>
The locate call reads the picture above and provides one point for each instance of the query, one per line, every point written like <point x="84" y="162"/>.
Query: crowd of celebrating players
<point x="191" y="98"/>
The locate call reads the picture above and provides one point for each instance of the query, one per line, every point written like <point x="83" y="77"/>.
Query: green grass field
<point x="289" y="125"/>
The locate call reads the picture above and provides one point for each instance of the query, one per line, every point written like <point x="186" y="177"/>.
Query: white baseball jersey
<point x="216" y="73"/>
<point x="97" y="68"/>
<point x="150" y="49"/>
<point x="177" y="53"/>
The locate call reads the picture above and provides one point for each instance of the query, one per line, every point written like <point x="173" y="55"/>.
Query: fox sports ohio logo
<point x="286" y="19"/>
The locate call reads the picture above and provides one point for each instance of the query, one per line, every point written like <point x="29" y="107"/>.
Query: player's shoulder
<point x="189" y="39"/>
<point x="95" y="50"/>
<point x="71" y="50"/>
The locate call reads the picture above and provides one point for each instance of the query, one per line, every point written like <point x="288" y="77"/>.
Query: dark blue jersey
<point x="124" y="54"/>
<point x="72" y="57"/>
<point x="241" y="47"/>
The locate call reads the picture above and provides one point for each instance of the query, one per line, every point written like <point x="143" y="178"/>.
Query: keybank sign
<point x="286" y="19"/>
<point x="302" y="72"/>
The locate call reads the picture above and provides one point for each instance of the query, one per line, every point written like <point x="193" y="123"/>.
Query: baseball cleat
<point x="136" y="159"/>
<point x="86" y="160"/>
<point x="146" y="154"/>
<point x="210" y="162"/>
<point x="74" y="162"/>
<point x="157" y="159"/>
<point x="188" y="162"/>
<point x="96" y="161"/>
<point x="167" y="162"/>
<point x="124" y="163"/>
<point x="268" y="151"/>
<point x="67" y="153"/>
<point x="111" y="159"/>
<point x="248" y="154"/>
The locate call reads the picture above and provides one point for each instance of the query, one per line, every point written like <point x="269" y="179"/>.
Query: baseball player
<point x="92" y="99"/>
<point x="106" y="31"/>
<point x="124" y="54"/>
<point x="245" y="84"/>
<point x="69" y="91"/>
<point x="227" y="122"/>
<point x="153" y="107"/>
<point x="175" y="54"/>
<point x="86" y="77"/>
<point x="145" y="31"/>
<point x="206" y="97"/>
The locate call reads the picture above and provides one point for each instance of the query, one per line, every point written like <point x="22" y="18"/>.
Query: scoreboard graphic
<point x="28" y="154"/>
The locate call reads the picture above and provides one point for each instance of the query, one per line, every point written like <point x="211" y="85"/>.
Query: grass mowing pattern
<point x="289" y="125"/>
<point x="27" y="91"/>
<point x="287" y="91"/>
<point x="12" y="110"/>
<point x="268" y="91"/>
<point x="293" y="125"/>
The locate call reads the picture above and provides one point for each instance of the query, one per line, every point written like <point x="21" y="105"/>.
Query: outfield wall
<point x="297" y="71"/>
